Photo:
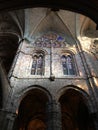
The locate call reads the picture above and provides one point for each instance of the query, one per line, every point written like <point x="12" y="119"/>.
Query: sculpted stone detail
<point x="94" y="47"/>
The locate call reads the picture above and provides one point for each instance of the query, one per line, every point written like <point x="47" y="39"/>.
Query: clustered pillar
<point x="11" y="118"/>
<point x="54" y="116"/>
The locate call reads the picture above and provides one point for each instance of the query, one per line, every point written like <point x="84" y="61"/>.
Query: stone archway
<point x="75" y="113"/>
<point x="32" y="111"/>
<point x="88" y="8"/>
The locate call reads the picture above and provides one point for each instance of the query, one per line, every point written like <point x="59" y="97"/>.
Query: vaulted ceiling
<point x="22" y="24"/>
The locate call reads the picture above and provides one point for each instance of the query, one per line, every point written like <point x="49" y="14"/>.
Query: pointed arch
<point x="24" y="92"/>
<point x="76" y="113"/>
<point x="85" y="96"/>
<point x="31" y="111"/>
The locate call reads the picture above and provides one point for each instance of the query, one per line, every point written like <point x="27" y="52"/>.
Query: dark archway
<point x="32" y="111"/>
<point x="75" y="113"/>
<point x="8" y="48"/>
<point x="1" y="93"/>
<point x="88" y="7"/>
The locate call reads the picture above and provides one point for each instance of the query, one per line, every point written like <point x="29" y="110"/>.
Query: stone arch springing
<point x="76" y="110"/>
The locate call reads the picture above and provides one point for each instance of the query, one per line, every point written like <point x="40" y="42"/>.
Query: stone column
<point x="54" y="116"/>
<point x="94" y="119"/>
<point x="10" y="119"/>
<point x="2" y="119"/>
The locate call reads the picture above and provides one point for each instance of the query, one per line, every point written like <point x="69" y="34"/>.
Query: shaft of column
<point x="54" y="116"/>
<point x="10" y="120"/>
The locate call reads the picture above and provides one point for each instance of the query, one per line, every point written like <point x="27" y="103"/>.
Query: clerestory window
<point x="38" y="64"/>
<point x="68" y="64"/>
<point x="53" y="44"/>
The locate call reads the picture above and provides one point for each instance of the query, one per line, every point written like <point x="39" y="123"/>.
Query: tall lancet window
<point x="68" y="64"/>
<point x="38" y="64"/>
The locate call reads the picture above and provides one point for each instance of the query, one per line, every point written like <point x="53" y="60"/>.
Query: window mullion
<point x="36" y="70"/>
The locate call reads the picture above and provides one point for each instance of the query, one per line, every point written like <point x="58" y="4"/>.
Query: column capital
<point x="11" y="116"/>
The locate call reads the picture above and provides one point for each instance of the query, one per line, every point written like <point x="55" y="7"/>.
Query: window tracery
<point x="68" y="64"/>
<point x="50" y="40"/>
<point x="38" y="64"/>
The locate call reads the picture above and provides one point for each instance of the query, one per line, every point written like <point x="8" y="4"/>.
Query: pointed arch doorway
<point x="75" y="112"/>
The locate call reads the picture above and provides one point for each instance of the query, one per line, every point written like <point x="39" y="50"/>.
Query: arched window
<point x="38" y="64"/>
<point x="68" y="64"/>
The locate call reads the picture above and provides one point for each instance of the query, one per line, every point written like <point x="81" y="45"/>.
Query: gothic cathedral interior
<point x="48" y="70"/>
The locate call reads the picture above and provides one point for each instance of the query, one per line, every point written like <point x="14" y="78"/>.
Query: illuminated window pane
<point x="34" y="65"/>
<point x="40" y="65"/>
<point x="68" y="65"/>
<point x="37" y="65"/>
<point x="64" y="64"/>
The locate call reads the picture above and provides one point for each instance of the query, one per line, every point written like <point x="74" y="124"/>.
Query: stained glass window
<point x="38" y="64"/>
<point x="68" y="64"/>
<point x="50" y="40"/>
